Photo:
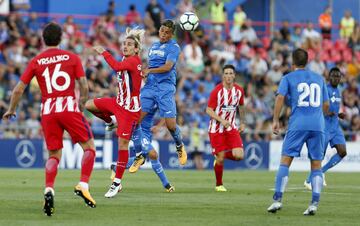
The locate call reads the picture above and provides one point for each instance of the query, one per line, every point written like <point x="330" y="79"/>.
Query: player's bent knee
<point x="153" y="155"/>
<point x="89" y="144"/>
<point x="238" y="154"/>
<point x="123" y="144"/>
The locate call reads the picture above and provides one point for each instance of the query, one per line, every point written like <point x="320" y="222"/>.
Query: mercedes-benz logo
<point x="25" y="153"/>
<point x="253" y="156"/>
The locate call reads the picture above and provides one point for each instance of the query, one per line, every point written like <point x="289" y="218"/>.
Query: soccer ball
<point x="189" y="21"/>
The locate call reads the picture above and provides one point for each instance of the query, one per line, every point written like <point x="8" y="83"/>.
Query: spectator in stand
<point x="69" y="26"/>
<point x="258" y="69"/>
<point x="247" y="32"/>
<point x="33" y="125"/>
<point x="32" y="24"/>
<point x="169" y="9"/>
<point x="285" y="31"/>
<point x="154" y="15"/>
<point x="355" y="128"/>
<point x="185" y="6"/>
<point x="133" y="16"/>
<point x="310" y="37"/>
<point x="4" y="32"/>
<point x="354" y="42"/>
<point x="317" y="65"/>
<point x="347" y="25"/>
<point x="275" y="74"/>
<point x="197" y="145"/>
<point x="239" y="19"/>
<point x="325" y="23"/>
<point x="194" y="56"/>
<point x="296" y="37"/>
<point x="218" y="14"/>
<point x="111" y="8"/>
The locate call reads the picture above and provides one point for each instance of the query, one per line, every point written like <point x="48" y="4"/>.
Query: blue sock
<point x="332" y="162"/>
<point x="158" y="169"/>
<point x="308" y="179"/>
<point x="282" y="178"/>
<point x="316" y="184"/>
<point x="137" y="138"/>
<point x="130" y="162"/>
<point x="177" y="136"/>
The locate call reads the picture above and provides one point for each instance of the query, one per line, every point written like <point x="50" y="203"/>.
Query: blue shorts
<point x="162" y="96"/>
<point x="294" y="140"/>
<point x="333" y="138"/>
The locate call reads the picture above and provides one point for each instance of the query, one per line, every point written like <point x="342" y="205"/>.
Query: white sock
<point x="117" y="180"/>
<point x="47" y="189"/>
<point x="84" y="185"/>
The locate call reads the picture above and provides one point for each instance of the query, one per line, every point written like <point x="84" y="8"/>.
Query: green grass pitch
<point x="144" y="202"/>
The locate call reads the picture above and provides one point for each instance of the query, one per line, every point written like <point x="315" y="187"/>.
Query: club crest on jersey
<point x="163" y="46"/>
<point x="139" y="67"/>
<point x="228" y="108"/>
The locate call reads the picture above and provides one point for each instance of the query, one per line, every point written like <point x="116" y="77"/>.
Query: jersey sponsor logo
<point x="53" y="59"/>
<point x="228" y="108"/>
<point x="334" y="99"/>
<point x="156" y="52"/>
<point x="25" y="153"/>
<point x="253" y="156"/>
<point x="163" y="46"/>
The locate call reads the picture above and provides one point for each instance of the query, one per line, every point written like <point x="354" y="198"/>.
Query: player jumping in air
<point x="160" y="89"/>
<point x="224" y="136"/>
<point x="333" y="133"/>
<point x="126" y="106"/>
<point x="56" y="72"/>
<point x="309" y="101"/>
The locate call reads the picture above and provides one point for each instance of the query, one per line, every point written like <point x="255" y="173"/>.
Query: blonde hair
<point x="137" y="35"/>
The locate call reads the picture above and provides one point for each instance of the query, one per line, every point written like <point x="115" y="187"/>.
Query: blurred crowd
<point x="260" y="63"/>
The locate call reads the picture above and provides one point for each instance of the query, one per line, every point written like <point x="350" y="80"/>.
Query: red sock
<point x="218" y="173"/>
<point x="229" y="155"/>
<point x="51" y="171"/>
<point x="104" y="116"/>
<point x="123" y="156"/>
<point x="87" y="165"/>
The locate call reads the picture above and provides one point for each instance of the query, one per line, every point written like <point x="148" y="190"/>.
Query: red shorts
<point x="55" y="124"/>
<point x="126" y="120"/>
<point x="225" y="141"/>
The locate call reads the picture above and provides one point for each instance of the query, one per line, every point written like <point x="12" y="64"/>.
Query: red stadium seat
<point x="325" y="56"/>
<point x="327" y="44"/>
<point x="340" y="44"/>
<point x="266" y="42"/>
<point x="347" y="56"/>
<point x="311" y="54"/>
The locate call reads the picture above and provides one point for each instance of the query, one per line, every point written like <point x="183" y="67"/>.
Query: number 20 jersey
<point x="56" y="71"/>
<point x="306" y="91"/>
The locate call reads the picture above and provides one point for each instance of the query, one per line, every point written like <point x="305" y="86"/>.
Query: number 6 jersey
<point x="307" y="92"/>
<point x="56" y="71"/>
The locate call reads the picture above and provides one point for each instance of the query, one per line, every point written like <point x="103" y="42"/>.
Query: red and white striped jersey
<point x="225" y="102"/>
<point x="129" y="80"/>
<point x="56" y="71"/>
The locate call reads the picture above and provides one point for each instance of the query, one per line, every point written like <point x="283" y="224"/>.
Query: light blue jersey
<point x="332" y="122"/>
<point x="306" y="91"/>
<point x="160" y="88"/>
<point x="159" y="54"/>
<point x="334" y="135"/>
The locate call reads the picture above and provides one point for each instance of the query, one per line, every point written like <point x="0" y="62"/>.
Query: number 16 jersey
<point x="56" y="71"/>
<point x="307" y="92"/>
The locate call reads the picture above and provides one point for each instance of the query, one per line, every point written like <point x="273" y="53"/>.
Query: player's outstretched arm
<point x="15" y="98"/>
<point x="84" y="92"/>
<point x="326" y="108"/>
<point x="213" y="115"/>
<point x="111" y="61"/>
<point x="279" y="103"/>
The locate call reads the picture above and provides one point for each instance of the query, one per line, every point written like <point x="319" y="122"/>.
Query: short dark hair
<point x="52" y="34"/>
<point x="334" y="70"/>
<point x="300" y="57"/>
<point x="229" y="66"/>
<point x="170" y="24"/>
